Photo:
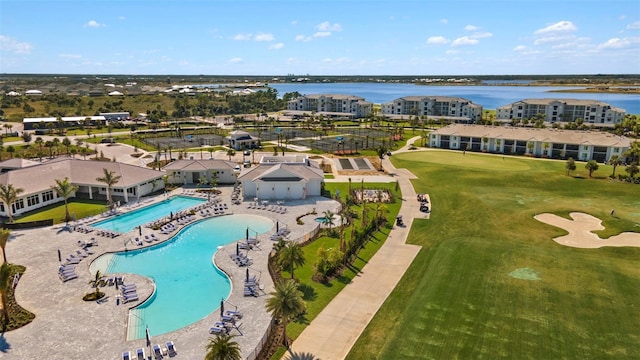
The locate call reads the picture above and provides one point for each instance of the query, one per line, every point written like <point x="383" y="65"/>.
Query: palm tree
<point x="9" y="195"/>
<point x="285" y="303"/>
<point x="615" y="161"/>
<point x="291" y="256"/>
<point x="96" y="282"/>
<point x="328" y="215"/>
<point x="109" y="179"/>
<point x="223" y="347"/>
<point x="4" y="237"/>
<point x="5" y="277"/>
<point x="591" y="166"/>
<point x="65" y="189"/>
<point x="230" y="153"/>
<point x="632" y="170"/>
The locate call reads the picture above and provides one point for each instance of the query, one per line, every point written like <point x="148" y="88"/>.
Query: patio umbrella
<point x="237" y="248"/>
<point x="247" y="233"/>
<point x="277" y="226"/>
<point x="148" y="336"/>
<point x="221" y="308"/>
<point x="247" y="274"/>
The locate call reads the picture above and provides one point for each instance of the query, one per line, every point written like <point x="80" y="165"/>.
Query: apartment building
<point x="332" y="104"/>
<point x="445" y="106"/>
<point x="562" y="111"/>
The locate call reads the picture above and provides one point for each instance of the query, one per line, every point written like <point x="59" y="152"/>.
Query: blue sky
<point x="277" y="37"/>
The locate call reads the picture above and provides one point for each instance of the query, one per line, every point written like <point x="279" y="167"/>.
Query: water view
<point x="490" y="97"/>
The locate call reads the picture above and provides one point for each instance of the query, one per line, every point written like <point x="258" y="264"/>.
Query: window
<point x="19" y="204"/>
<point x="47" y="196"/>
<point x="33" y="200"/>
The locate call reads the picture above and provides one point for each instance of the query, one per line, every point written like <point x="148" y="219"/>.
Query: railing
<point x="263" y="341"/>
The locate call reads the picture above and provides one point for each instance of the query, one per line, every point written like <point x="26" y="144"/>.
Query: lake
<point x="490" y="97"/>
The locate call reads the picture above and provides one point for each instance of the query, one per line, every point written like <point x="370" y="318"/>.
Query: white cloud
<point x="11" y="45"/>
<point x="121" y="18"/>
<point x="481" y="35"/>
<point x="465" y="40"/>
<point x="444" y="21"/>
<point x="236" y="60"/>
<point x="326" y="26"/>
<point x="549" y="39"/>
<point x="634" y="25"/>
<point x="520" y="48"/>
<point x="452" y="52"/>
<point x="437" y="40"/>
<point x="263" y="37"/>
<point x="93" y="24"/>
<point x="70" y="56"/>
<point x="302" y="38"/>
<point x="615" y="43"/>
<point x="294" y="22"/>
<point x="560" y="26"/>
<point x="242" y="37"/>
<point x="322" y="34"/>
<point x="276" y="46"/>
<point x="471" y="28"/>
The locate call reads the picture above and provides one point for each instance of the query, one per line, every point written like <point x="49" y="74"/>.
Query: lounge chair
<point x="140" y="355"/>
<point x="157" y="352"/>
<point x="67" y="277"/>
<point x="171" y="349"/>
<point x="126" y="355"/>
<point x="218" y="330"/>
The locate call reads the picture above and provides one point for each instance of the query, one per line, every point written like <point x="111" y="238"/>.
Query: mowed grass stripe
<point x="457" y="300"/>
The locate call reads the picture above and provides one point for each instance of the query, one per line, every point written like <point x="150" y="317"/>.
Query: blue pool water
<point x="132" y="219"/>
<point x="188" y="286"/>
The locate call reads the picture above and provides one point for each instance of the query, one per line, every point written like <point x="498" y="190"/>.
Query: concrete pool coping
<point x="67" y="327"/>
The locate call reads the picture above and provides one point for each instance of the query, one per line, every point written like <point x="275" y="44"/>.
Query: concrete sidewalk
<point x="334" y="331"/>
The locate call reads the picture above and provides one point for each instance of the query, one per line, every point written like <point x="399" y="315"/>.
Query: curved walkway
<point x="334" y="331"/>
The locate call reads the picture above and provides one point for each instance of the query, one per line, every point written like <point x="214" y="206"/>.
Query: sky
<point x="322" y="37"/>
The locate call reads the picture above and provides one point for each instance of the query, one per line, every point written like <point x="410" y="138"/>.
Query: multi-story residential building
<point x="555" y="143"/>
<point x="445" y="106"/>
<point x="561" y="111"/>
<point x="332" y="104"/>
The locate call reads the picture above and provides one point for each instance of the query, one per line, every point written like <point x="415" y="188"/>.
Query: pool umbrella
<point x="247" y="233"/>
<point x="277" y="226"/>
<point x="247" y="274"/>
<point x="221" y="308"/>
<point x="148" y="336"/>
<point x="237" y="248"/>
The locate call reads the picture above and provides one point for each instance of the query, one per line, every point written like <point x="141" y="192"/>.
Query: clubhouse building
<point x="554" y="143"/>
<point x="331" y="105"/>
<point x="189" y="172"/>
<point x="552" y="111"/>
<point x="438" y="106"/>
<point x="37" y="181"/>
<point x="282" y="178"/>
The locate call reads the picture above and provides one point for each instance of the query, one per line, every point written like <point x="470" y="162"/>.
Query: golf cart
<point x="399" y="221"/>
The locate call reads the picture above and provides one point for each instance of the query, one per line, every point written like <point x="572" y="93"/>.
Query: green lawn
<point x="78" y="207"/>
<point x="457" y="300"/>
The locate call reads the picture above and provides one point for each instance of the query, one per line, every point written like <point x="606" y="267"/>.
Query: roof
<point x="432" y="97"/>
<point x="282" y="172"/>
<point x="199" y="165"/>
<point x="596" y="138"/>
<point x="79" y="172"/>
<point x="64" y="118"/>
<point x="17" y="163"/>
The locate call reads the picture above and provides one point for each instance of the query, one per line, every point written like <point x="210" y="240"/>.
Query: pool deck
<point x="66" y="327"/>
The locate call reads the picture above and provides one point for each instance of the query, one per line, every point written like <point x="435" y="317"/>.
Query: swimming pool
<point x="132" y="219"/>
<point x="188" y="286"/>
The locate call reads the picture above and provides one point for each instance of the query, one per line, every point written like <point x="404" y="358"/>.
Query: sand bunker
<point x="580" y="232"/>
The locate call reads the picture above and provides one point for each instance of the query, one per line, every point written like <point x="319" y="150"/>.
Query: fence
<point x="263" y="341"/>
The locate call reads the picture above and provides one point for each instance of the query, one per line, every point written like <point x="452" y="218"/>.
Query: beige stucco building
<point x="332" y="104"/>
<point x="561" y="111"/>
<point x="445" y="106"/>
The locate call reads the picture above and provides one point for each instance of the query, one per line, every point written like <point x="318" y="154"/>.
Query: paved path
<point x="334" y="331"/>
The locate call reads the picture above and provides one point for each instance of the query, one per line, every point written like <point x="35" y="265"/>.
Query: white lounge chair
<point x="140" y="355"/>
<point x="171" y="349"/>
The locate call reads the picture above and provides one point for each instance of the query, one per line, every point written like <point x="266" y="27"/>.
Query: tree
<point x="328" y="215"/>
<point x="570" y="166"/>
<point x="632" y="169"/>
<point x="9" y="195"/>
<point x="65" y="189"/>
<point x="67" y="143"/>
<point x="109" y="179"/>
<point x="4" y="237"/>
<point x="5" y="278"/>
<point x="230" y="153"/>
<point x="95" y="282"/>
<point x="291" y="256"/>
<point x="615" y="161"/>
<point x="11" y="150"/>
<point x="285" y="303"/>
<point x="591" y="166"/>
<point x="222" y="347"/>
